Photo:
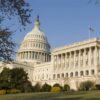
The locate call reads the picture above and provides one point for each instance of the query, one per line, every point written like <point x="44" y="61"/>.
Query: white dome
<point x="35" y="41"/>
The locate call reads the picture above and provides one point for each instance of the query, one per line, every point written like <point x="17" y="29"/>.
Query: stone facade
<point x="69" y="64"/>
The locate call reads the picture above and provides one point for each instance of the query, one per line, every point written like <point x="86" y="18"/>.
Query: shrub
<point x="46" y="88"/>
<point x="2" y="92"/>
<point x="97" y="86"/>
<point x="37" y="88"/>
<point x="66" y="87"/>
<point x="87" y="85"/>
<point x="13" y="91"/>
<point x="56" y="89"/>
<point x="58" y="85"/>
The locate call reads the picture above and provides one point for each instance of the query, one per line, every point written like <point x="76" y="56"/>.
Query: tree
<point x="19" y="80"/>
<point x="87" y="85"/>
<point x="66" y="87"/>
<point x="57" y="85"/>
<point x="5" y="76"/>
<point x="6" y="45"/>
<point x="15" y="78"/>
<point x="37" y="87"/>
<point x="46" y="88"/>
<point x="95" y="1"/>
<point x="10" y="9"/>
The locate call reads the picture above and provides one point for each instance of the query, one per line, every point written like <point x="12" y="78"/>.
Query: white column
<point x="89" y="58"/>
<point x="74" y="59"/>
<point x="28" y="55"/>
<point x="41" y="56"/>
<point x="64" y="59"/>
<point x="37" y="56"/>
<point x="96" y="56"/>
<point x="57" y="61"/>
<point x="44" y="57"/>
<point x="69" y="59"/>
<point x="61" y="61"/>
<point x="84" y="60"/>
<point x="79" y="58"/>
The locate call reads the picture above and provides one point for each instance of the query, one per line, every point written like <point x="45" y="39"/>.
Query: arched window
<point x="81" y="73"/>
<point x="58" y="75"/>
<point x="54" y="76"/>
<point x="92" y="72"/>
<point x="76" y="73"/>
<point x="66" y="74"/>
<point x="71" y="74"/>
<point x="87" y="72"/>
<point x="62" y="75"/>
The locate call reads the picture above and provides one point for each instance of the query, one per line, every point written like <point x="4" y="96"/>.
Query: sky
<point x="63" y="21"/>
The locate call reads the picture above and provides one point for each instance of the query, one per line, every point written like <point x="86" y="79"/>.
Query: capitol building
<point x="70" y="64"/>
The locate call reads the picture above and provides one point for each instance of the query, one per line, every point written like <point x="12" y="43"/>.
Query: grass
<point x="81" y="95"/>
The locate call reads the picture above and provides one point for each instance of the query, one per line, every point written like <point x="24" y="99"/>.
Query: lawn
<point x="89" y="95"/>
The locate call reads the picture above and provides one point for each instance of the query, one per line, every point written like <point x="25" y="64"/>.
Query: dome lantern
<point x="37" y="22"/>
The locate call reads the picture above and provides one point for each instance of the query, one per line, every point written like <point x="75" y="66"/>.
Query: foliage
<point x="97" y="86"/>
<point x="2" y="92"/>
<point x="46" y="88"/>
<point x="87" y="85"/>
<point x="13" y="91"/>
<point x="95" y="1"/>
<point x="6" y="45"/>
<point x="56" y="89"/>
<point x="37" y="88"/>
<point x="12" y="8"/>
<point x="58" y="85"/>
<point x="15" y="78"/>
<point x="66" y="87"/>
<point x="4" y="79"/>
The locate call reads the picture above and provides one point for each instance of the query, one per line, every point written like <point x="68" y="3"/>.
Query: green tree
<point x="57" y="85"/>
<point x="37" y="88"/>
<point x="15" y="79"/>
<point x="5" y="76"/>
<point x="87" y="85"/>
<point x="46" y="88"/>
<point x="6" y="45"/>
<point x="66" y="87"/>
<point x="19" y="80"/>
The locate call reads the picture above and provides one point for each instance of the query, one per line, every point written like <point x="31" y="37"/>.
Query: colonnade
<point x="30" y="55"/>
<point x="78" y="58"/>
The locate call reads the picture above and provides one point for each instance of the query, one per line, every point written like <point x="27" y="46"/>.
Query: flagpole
<point x="90" y="30"/>
<point x="89" y="34"/>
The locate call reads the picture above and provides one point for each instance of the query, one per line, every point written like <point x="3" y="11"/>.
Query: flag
<point x="91" y="29"/>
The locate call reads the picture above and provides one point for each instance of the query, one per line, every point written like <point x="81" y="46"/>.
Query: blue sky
<point x="63" y="21"/>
